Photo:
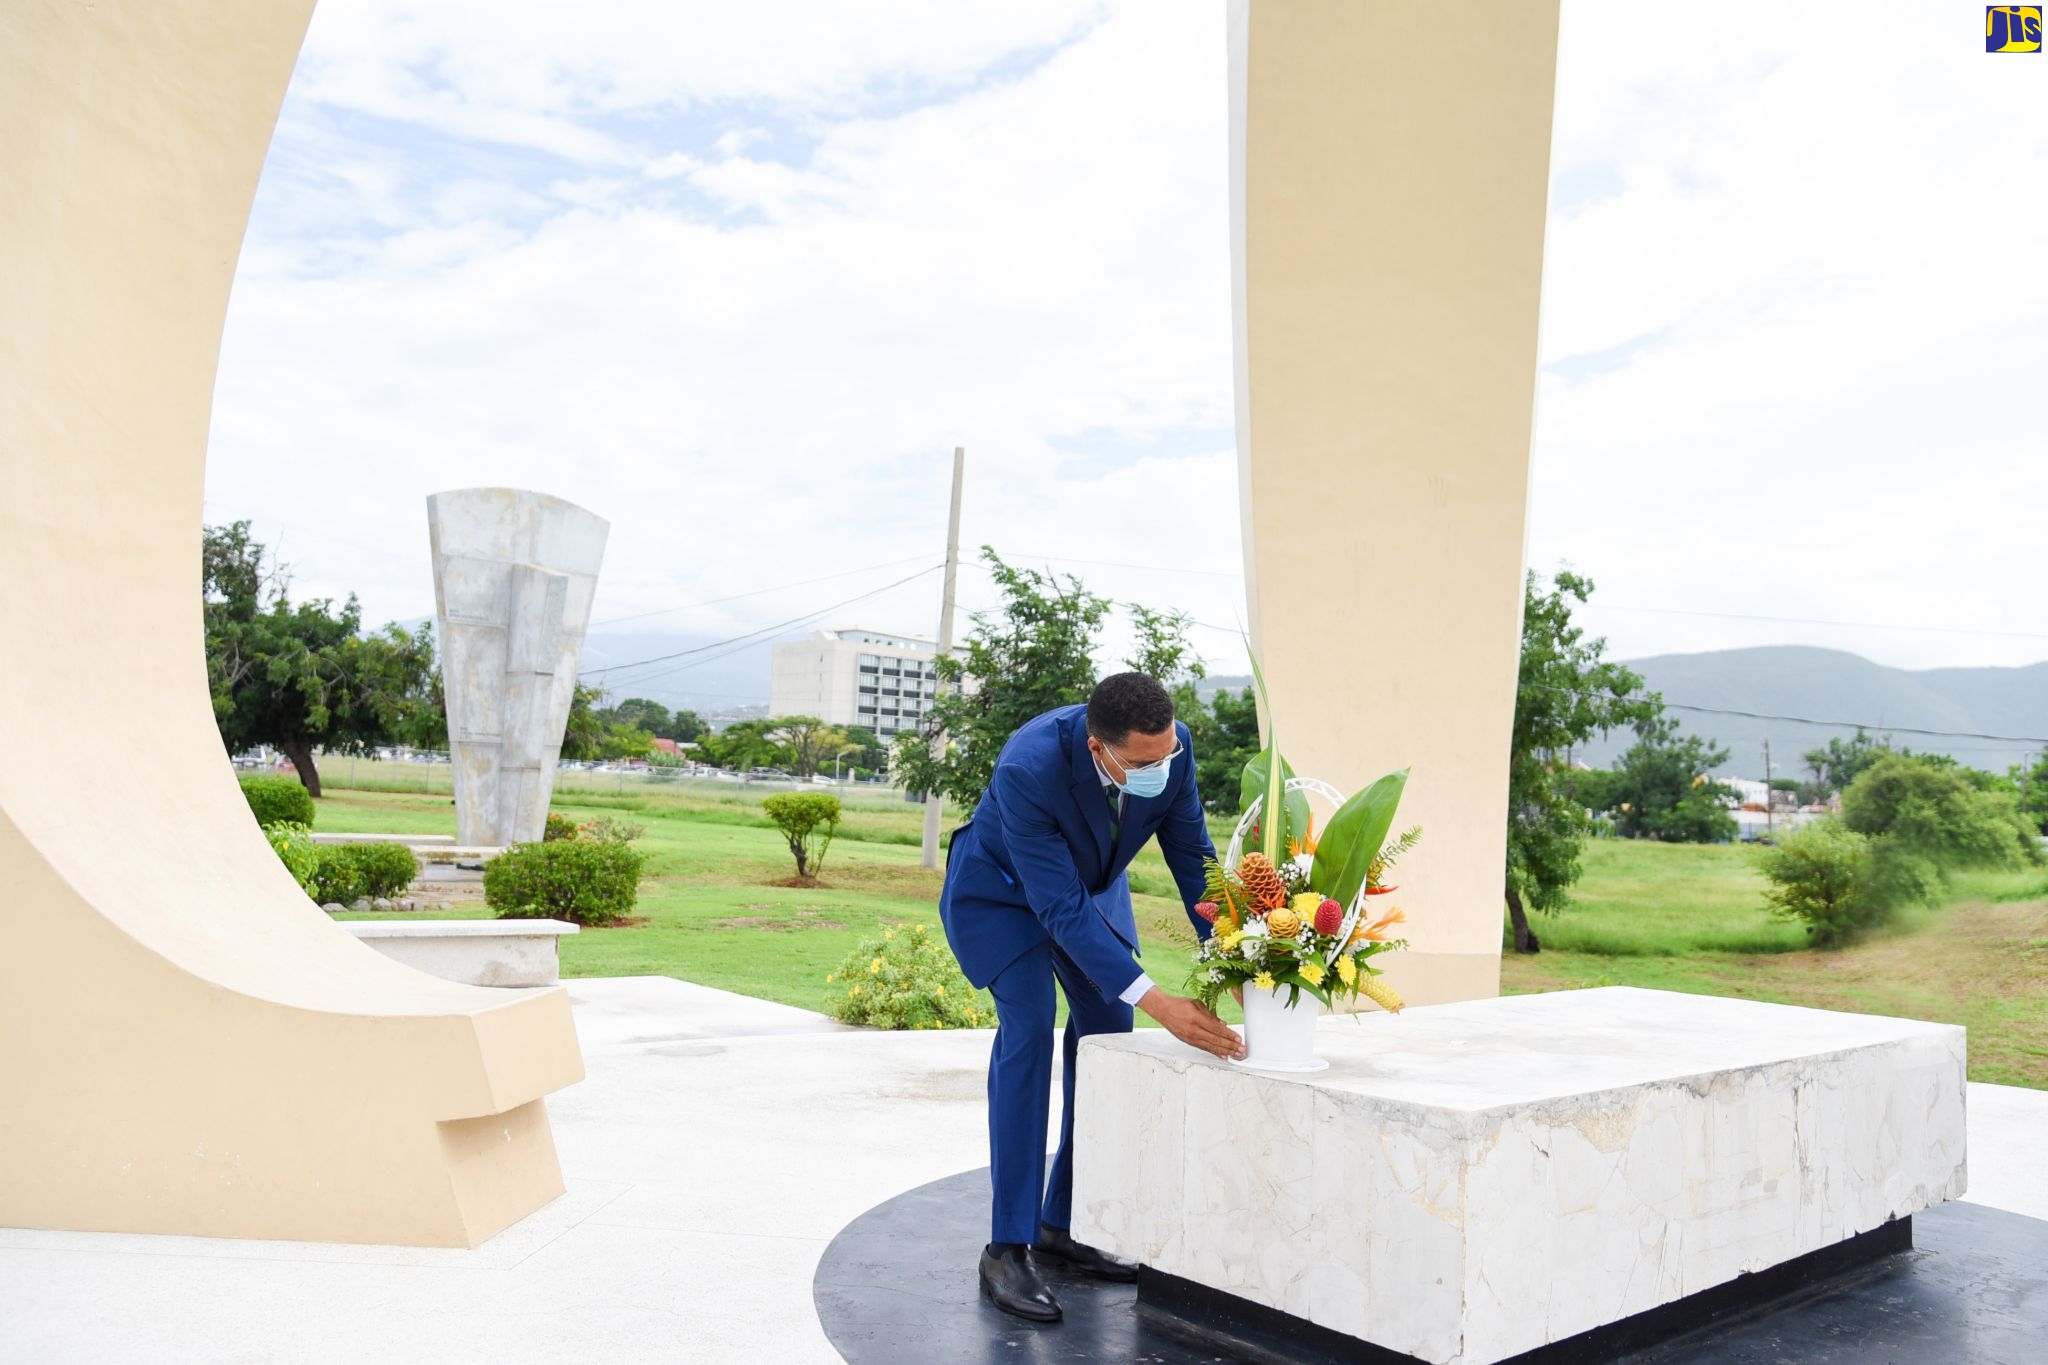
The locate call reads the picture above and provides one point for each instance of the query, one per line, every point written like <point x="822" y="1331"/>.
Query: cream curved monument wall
<point x="187" y="1043"/>
<point x="1389" y="171"/>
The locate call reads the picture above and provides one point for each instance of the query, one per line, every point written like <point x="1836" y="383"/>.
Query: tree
<point x="302" y="676"/>
<point x="583" y="736"/>
<point x="1843" y="760"/>
<point x="742" y="745"/>
<point x="811" y="743"/>
<point x="1935" y="813"/>
<point x="1663" y="789"/>
<point x="1023" y="659"/>
<point x="807" y="821"/>
<point x="655" y="719"/>
<point x="2032" y="784"/>
<point x="625" y="741"/>
<point x="1823" y="875"/>
<point x="1226" y="738"/>
<point x="1564" y="695"/>
<point x="868" y="752"/>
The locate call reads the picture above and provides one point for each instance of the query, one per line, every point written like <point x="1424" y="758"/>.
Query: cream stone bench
<point x="477" y="952"/>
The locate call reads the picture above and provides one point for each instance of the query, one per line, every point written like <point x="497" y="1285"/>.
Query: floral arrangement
<point x="1294" y="913"/>
<point x="1275" y="928"/>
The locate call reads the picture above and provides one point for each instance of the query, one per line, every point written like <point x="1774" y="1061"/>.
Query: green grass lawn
<point x="1668" y="916"/>
<point x="1691" y="918"/>
<point x="710" y="908"/>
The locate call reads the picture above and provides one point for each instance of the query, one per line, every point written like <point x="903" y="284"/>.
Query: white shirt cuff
<point x="1135" y="992"/>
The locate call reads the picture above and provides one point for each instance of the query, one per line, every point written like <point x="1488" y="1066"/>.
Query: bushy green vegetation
<point x="294" y="846"/>
<point x="278" y="801"/>
<point x="715" y="908"/>
<point x="584" y="881"/>
<point x="349" y="872"/>
<point x="807" y="821"/>
<point x="906" y="978"/>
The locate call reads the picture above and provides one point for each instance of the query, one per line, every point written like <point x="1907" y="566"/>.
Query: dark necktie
<point x="1116" y="813"/>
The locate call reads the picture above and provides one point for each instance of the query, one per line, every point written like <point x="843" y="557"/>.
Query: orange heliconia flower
<point x="1305" y="842"/>
<point x="1376" y="932"/>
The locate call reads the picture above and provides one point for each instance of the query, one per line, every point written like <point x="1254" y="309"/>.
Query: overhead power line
<point x="1877" y="727"/>
<point x="765" y="630"/>
<point x="758" y="592"/>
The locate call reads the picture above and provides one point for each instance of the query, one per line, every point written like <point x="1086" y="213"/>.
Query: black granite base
<point x="1959" y="1285"/>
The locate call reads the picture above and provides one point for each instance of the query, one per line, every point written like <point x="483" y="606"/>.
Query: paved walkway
<point x="716" y="1147"/>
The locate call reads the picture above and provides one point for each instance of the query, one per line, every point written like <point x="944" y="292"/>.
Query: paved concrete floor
<point x="717" y="1146"/>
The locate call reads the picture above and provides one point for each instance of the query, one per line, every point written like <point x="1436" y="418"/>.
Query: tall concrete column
<point x="514" y="576"/>
<point x="1389" y="170"/>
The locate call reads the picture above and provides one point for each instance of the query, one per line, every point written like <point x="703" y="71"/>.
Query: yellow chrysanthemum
<point x="1264" y="981"/>
<point x="1312" y="972"/>
<point x="1229" y="939"/>
<point x="1347" y="970"/>
<point x="1305" y="904"/>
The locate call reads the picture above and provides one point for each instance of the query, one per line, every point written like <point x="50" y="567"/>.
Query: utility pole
<point x="934" y="801"/>
<point x="1770" y="802"/>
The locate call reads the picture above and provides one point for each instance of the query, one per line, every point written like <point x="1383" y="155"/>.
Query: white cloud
<point x="740" y="277"/>
<point x="765" y="397"/>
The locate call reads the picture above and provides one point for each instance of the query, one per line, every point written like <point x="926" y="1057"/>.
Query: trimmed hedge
<point x="350" y="871"/>
<point x="278" y="800"/>
<point x="584" y="881"/>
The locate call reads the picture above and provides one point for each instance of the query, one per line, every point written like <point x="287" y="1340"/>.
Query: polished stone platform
<point x="1470" y="1182"/>
<point x="897" y="1287"/>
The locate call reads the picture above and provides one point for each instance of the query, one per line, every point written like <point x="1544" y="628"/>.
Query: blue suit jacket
<point x="1036" y="862"/>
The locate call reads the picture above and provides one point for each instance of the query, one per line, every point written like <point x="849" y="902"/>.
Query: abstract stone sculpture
<point x="514" y="574"/>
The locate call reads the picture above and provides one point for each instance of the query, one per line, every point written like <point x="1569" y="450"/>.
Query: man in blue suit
<point x="1035" y="894"/>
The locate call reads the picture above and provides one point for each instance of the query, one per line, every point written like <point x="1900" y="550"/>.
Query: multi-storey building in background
<point x="855" y="677"/>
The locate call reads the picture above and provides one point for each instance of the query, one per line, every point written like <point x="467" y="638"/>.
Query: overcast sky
<point x="739" y="277"/>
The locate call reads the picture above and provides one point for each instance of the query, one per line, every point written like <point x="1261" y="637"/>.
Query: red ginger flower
<point x="1207" y="910"/>
<point x="1329" y="917"/>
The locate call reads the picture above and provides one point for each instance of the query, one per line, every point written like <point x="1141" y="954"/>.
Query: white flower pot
<point x="1279" y="1036"/>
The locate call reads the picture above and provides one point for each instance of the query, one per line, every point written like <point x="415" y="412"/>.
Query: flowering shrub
<point x="294" y="846"/>
<point x="907" y="978"/>
<point x="560" y="827"/>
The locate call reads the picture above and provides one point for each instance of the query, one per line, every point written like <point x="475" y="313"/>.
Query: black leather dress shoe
<point x="1054" y="1244"/>
<point x="1011" y="1283"/>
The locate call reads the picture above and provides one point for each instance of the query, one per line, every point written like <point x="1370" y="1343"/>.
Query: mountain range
<point x="1788" y="691"/>
<point x="1831" y="685"/>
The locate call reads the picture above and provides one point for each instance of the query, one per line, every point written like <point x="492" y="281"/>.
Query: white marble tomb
<point x="1470" y="1181"/>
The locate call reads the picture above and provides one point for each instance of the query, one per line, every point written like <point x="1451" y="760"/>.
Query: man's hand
<point x="1189" y="1021"/>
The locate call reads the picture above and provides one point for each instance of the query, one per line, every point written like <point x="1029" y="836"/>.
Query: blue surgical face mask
<point x="1146" y="781"/>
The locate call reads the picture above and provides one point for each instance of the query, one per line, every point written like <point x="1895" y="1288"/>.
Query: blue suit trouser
<point x="1020" y="1088"/>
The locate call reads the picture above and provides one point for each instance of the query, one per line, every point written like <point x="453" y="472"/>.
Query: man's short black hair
<point x="1124" y="702"/>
